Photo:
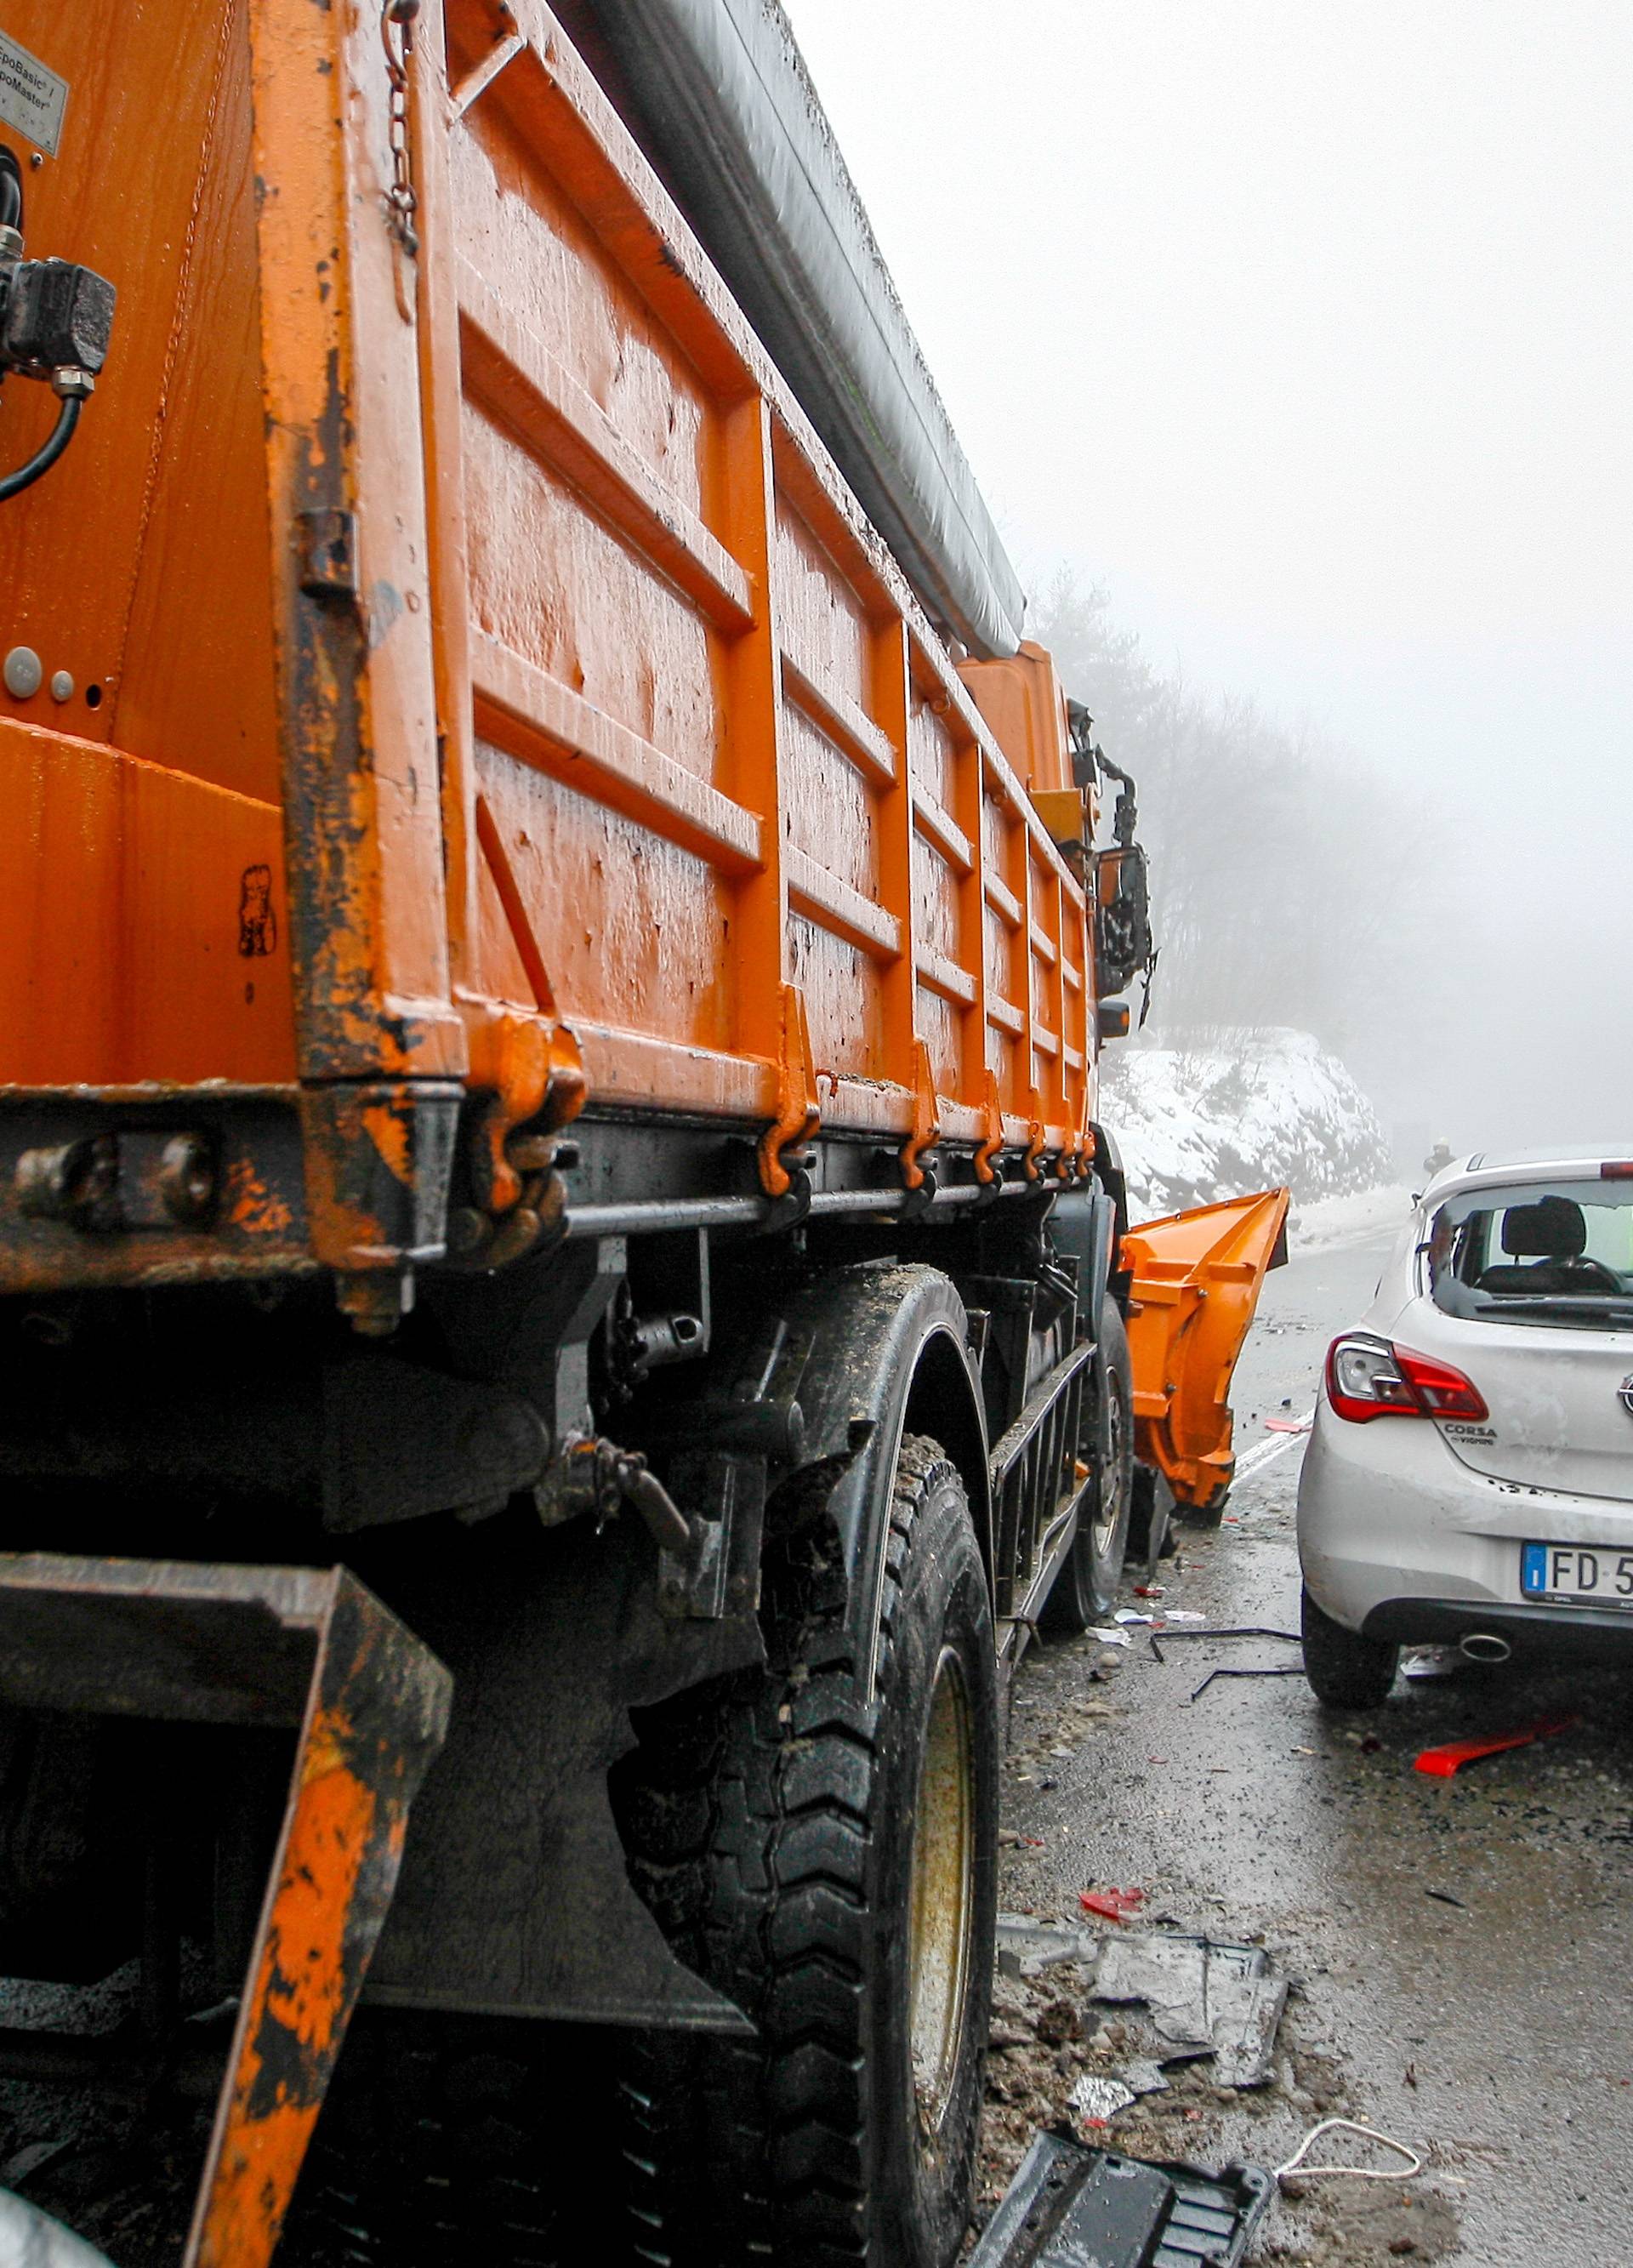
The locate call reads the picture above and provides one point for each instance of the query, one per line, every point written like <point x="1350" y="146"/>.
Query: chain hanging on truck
<point x="56" y="321"/>
<point x="401" y="202"/>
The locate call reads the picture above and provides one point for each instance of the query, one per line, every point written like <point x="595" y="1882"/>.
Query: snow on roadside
<point x="1239" y="1110"/>
<point x="1354" y="1218"/>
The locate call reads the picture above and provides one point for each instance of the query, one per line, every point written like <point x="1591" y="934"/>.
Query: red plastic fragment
<point x="1443" y="1762"/>
<point x="1112" y="1905"/>
<point x="1288" y="1424"/>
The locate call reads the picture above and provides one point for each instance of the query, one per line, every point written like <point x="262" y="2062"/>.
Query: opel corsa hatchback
<point x="1470" y="1477"/>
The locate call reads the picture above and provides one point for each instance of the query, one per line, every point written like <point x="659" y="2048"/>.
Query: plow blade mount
<point x="1196" y="1285"/>
<point x="303" y="1647"/>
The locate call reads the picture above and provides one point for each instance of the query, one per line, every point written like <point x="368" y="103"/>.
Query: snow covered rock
<point x="1235" y="1111"/>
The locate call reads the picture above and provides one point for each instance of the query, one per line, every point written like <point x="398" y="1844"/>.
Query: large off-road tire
<point x="1085" y="1589"/>
<point x="1344" y="1669"/>
<point x="828" y="1857"/>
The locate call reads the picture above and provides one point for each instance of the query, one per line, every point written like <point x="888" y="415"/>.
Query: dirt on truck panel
<point x="568" y="1302"/>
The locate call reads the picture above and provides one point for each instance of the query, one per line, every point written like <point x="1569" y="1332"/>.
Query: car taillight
<point x="1616" y="1169"/>
<point x="1442" y="1391"/>
<point x="1363" y="1380"/>
<point x="1368" y="1378"/>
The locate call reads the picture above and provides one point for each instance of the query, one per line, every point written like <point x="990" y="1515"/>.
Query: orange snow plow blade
<point x="1196" y="1279"/>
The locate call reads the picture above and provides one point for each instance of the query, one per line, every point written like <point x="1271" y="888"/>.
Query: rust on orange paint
<point x="387" y="1132"/>
<point x="297" y="2006"/>
<point x="376" y="1714"/>
<point x="251" y="1205"/>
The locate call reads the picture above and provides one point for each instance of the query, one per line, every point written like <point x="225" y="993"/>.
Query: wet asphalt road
<point x="1495" y="2035"/>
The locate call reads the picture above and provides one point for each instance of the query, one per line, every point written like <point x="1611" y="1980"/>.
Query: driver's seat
<point x="1548" y="1234"/>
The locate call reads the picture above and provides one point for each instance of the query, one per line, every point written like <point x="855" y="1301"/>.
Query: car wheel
<point x="1344" y="1669"/>
<point x="1086" y="1588"/>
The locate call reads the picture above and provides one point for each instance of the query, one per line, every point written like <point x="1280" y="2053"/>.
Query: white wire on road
<point x="1307" y="2173"/>
<point x="1262" y="1452"/>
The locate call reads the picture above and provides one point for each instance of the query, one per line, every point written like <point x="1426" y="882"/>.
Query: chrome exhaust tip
<point x="1485" y="1645"/>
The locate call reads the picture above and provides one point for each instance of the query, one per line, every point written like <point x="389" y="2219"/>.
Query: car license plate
<point x="1577" y="1572"/>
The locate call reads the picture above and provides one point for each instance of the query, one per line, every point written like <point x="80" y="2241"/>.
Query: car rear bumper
<point x="1393" y="1528"/>
<point x="1581" y="1633"/>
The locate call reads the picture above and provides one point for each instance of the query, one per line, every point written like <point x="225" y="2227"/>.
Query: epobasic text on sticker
<point x="32" y="98"/>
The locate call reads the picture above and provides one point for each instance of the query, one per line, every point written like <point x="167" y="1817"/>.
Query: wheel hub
<point x="943" y="1893"/>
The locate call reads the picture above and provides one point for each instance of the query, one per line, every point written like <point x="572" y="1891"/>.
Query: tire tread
<point x="784" y="1884"/>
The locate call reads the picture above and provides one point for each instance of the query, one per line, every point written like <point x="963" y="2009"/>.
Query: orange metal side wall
<point x="720" y="753"/>
<point x="135" y="816"/>
<point x="620" y="742"/>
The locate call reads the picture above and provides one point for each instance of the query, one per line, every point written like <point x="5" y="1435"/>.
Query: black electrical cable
<point x="43" y="458"/>
<point x="10" y="189"/>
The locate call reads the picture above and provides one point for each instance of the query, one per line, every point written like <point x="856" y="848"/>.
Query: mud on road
<point x="1459" y="1947"/>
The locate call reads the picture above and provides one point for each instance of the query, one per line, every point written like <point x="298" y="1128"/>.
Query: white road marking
<point x="1262" y="1452"/>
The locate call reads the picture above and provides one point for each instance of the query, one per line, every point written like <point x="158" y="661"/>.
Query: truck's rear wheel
<point x="828" y="1861"/>
<point x="1085" y="1589"/>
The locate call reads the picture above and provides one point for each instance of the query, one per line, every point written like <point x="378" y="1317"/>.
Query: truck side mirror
<point x="1114" y="1019"/>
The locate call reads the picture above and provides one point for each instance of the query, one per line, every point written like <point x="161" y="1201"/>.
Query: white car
<point x="1469" y="1478"/>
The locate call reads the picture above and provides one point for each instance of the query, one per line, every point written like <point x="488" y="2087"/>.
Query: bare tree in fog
<point x="1291" y="882"/>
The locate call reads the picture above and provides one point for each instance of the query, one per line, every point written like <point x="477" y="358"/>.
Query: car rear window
<point x="1541" y="1252"/>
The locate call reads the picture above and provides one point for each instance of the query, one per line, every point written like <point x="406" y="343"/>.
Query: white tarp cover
<point x="729" y="115"/>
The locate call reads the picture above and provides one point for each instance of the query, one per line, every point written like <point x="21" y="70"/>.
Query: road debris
<point x="1295" y="2164"/>
<point x="1071" y="2204"/>
<point x="1441" y="1762"/>
<point x="1432" y="1662"/>
<point x="1112" y="1905"/>
<point x="1446" y="1899"/>
<point x="1204" y="1998"/>
<point x="1236" y="1630"/>
<point x="1026" y="1948"/>
<point x="1096" y="2100"/>
<point x="1277" y="1669"/>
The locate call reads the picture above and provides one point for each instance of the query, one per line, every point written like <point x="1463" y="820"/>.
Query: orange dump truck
<point x="562" y="1289"/>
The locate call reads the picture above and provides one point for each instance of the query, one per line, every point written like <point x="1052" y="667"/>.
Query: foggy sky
<point x="1308" y="330"/>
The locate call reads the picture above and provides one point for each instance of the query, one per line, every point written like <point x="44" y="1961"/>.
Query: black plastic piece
<point x="1069" y="2204"/>
<point x="1082" y="1226"/>
<point x="57" y="314"/>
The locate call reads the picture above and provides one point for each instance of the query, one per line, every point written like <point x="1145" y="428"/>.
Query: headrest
<point x="1551" y="1229"/>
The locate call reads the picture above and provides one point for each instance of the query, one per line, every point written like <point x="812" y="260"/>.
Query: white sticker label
<point x="32" y="98"/>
